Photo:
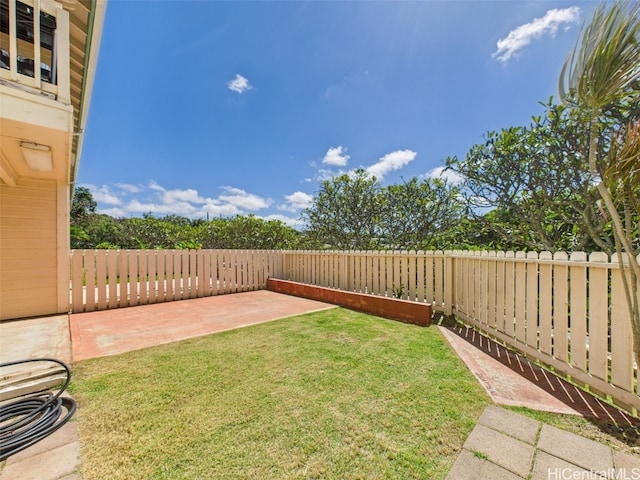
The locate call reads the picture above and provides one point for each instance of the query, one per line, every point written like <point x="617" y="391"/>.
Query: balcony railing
<point x="35" y="33"/>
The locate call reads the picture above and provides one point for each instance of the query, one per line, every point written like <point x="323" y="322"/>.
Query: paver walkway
<point x="511" y="379"/>
<point x="505" y="445"/>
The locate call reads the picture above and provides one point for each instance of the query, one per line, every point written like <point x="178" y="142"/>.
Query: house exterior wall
<point x="33" y="249"/>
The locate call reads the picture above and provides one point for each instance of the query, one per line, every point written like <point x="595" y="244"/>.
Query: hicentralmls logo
<point x="612" y="473"/>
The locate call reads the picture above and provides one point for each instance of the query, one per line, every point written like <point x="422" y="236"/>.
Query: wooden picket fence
<point x="567" y="312"/>
<point x="102" y="279"/>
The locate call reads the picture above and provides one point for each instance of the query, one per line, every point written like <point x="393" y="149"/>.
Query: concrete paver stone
<point x="52" y="464"/>
<point x="469" y="467"/>
<point x="501" y="449"/>
<point x="548" y="467"/>
<point x="580" y="451"/>
<point x="518" y="426"/>
<point x="626" y="461"/>
<point x="66" y="434"/>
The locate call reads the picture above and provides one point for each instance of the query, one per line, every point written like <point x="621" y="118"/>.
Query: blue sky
<point x="222" y="108"/>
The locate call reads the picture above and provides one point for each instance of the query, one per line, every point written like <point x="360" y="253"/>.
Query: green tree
<point x="415" y="214"/>
<point x="104" y="231"/>
<point x="82" y="206"/>
<point x="345" y="213"/>
<point x="537" y="179"/>
<point x="601" y="71"/>
<point x="147" y="233"/>
<point x="248" y="232"/>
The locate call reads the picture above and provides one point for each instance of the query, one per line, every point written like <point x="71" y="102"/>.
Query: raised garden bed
<point x="393" y="308"/>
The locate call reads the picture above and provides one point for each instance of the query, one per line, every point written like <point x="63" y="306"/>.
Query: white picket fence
<point x="568" y="312"/>
<point x="102" y="279"/>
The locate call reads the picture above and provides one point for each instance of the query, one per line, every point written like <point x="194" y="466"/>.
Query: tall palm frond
<point x="605" y="62"/>
<point x="623" y="157"/>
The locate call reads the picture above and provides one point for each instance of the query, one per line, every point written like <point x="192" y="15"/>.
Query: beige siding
<point x="29" y="251"/>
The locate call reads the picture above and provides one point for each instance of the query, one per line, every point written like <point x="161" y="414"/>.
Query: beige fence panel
<point x="509" y="294"/>
<point x="578" y="310"/>
<point x="558" y="310"/>
<point x="105" y="279"/>
<point x="561" y="307"/>
<point x="500" y="317"/>
<point x="111" y="278"/>
<point x="520" y="297"/>
<point x="598" y="316"/>
<point x="531" y="300"/>
<point x="90" y="279"/>
<point x="545" y="305"/>
<point x="621" y="334"/>
<point x="438" y="279"/>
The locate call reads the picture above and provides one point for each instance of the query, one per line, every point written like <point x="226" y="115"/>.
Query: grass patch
<point x="480" y="455"/>
<point x="331" y="394"/>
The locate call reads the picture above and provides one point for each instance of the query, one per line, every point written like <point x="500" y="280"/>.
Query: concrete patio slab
<point x="626" y="461"/>
<point x="110" y="332"/>
<point x="505" y="385"/>
<point x="35" y="338"/>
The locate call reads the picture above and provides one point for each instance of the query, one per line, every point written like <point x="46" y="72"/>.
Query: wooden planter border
<point x="392" y="308"/>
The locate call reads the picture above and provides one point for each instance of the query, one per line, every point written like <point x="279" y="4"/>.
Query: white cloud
<point x="103" y="194"/>
<point x="523" y="35"/>
<point x="216" y="209"/>
<point x="240" y="198"/>
<point x="296" y="201"/>
<point x="154" y="186"/>
<point x="158" y="200"/>
<point x="189" y="195"/>
<point x="390" y="162"/>
<point x="239" y="84"/>
<point x="324" y="174"/>
<point x="127" y="187"/>
<point x="448" y="175"/>
<point x="113" y="212"/>
<point x="292" y="222"/>
<point x="336" y="156"/>
<point x="176" y="208"/>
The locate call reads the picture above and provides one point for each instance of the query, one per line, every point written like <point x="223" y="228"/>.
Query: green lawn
<point x="332" y="394"/>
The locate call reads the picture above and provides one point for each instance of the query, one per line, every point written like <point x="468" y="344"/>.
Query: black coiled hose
<point x="28" y="420"/>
